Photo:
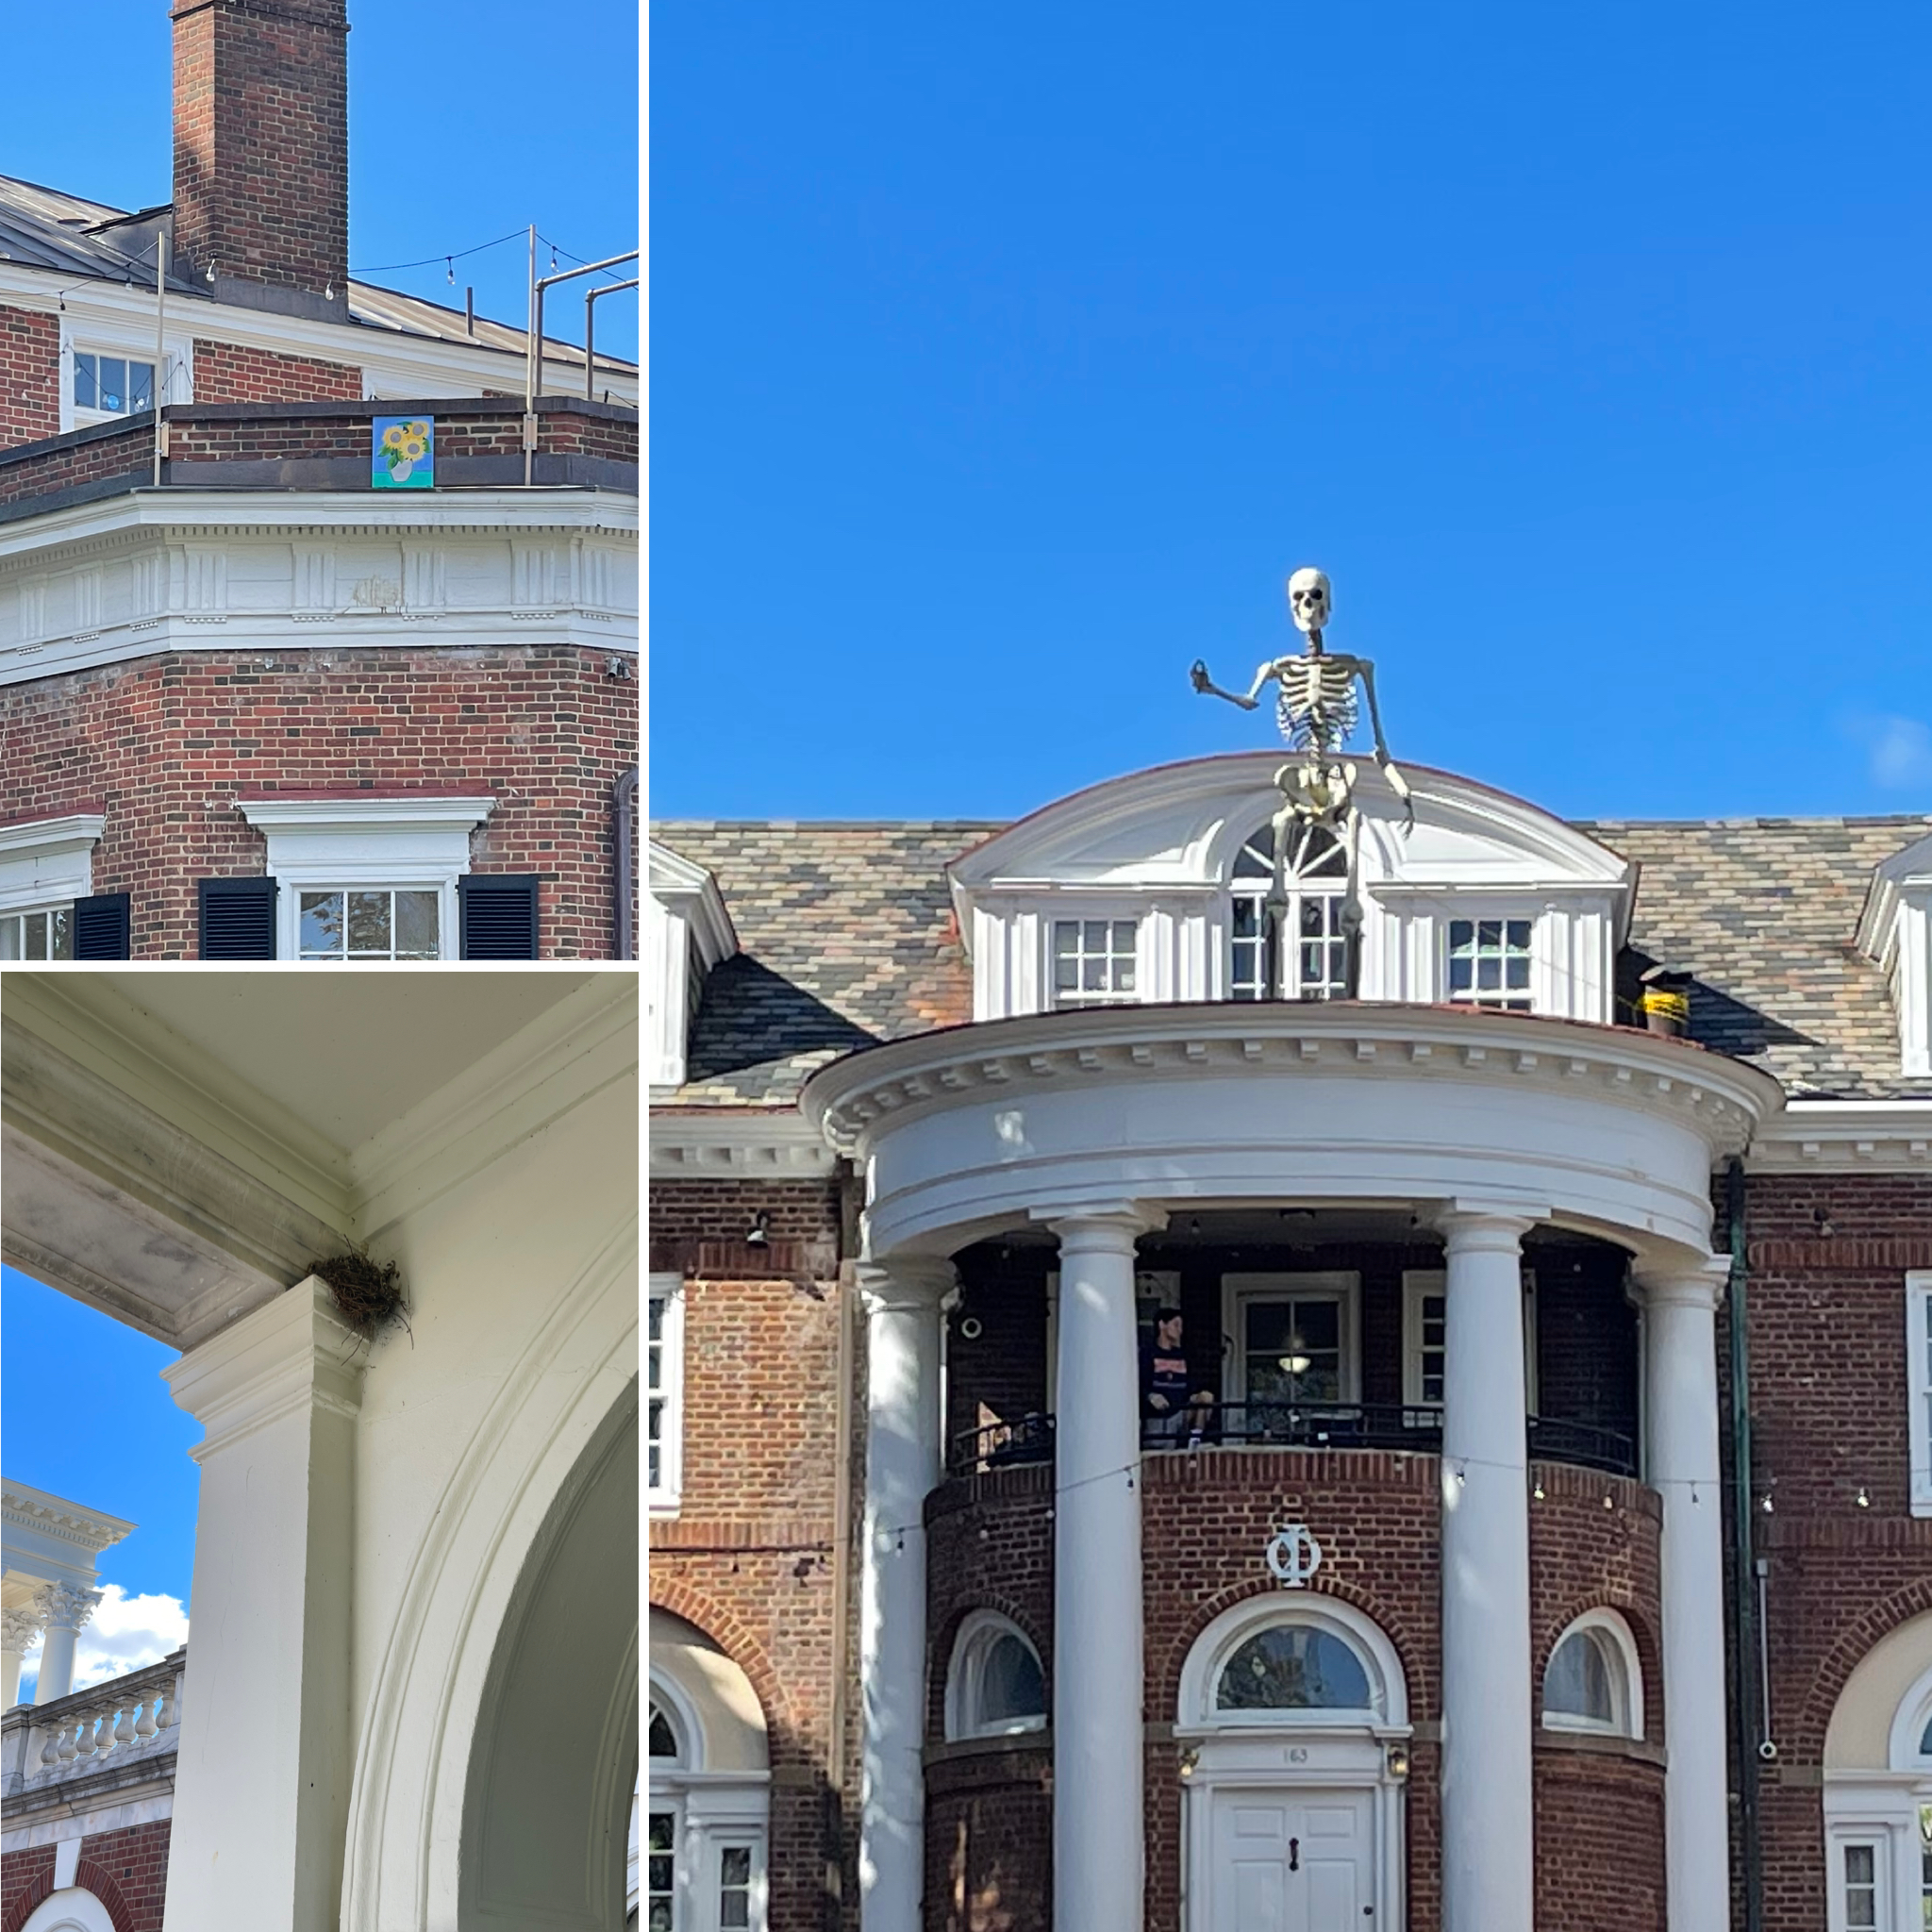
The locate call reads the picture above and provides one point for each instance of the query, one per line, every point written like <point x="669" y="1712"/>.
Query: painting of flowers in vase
<point x="405" y="457"/>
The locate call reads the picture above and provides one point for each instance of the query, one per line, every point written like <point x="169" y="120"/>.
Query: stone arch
<point x="943" y="1639"/>
<point x="1256" y="1611"/>
<point x="79" y="1908"/>
<point x="1835" y="1668"/>
<point x="706" y="1614"/>
<point x="576" y="1382"/>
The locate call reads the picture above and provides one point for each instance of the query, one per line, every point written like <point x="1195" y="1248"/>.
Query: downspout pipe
<point x="624" y="806"/>
<point x="1745" y="1635"/>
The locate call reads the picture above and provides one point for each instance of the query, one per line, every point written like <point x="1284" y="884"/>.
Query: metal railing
<point x="1409" y="1427"/>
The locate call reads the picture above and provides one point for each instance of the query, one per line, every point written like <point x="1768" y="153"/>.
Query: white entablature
<point x="1159" y="848"/>
<point x="253" y="570"/>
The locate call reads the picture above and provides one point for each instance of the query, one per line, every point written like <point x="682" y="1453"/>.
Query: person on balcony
<point x="1170" y="1417"/>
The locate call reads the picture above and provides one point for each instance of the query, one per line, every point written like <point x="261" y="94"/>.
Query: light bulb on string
<point x="449" y="269"/>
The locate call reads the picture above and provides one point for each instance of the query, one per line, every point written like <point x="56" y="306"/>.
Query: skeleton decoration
<point x="1316" y="708"/>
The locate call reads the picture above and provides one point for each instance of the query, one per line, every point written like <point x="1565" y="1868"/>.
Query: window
<point x="1314" y="949"/>
<point x="1860" y="1888"/>
<point x="1594" y="1681"/>
<point x="1293" y="1666"/>
<point x="1919" y="1386"/>
<point x="1424" y="1337"/>
<point x="347" y="923"/>
<point x="994" y="1686"/>
<point x="1094" y="962"/>
<point x="1296" y="1340"/>
<point x="1489" y="963"/>
<point x="734" y="1887"/>
<point x="665" y="1392"/>
<point x="660" y="1874"/>
<point x="46" y="933"/>
<point x="112" y="384"/>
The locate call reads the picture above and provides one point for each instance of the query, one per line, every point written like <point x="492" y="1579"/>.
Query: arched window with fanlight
<point x="1313" y="949"/>
<point x="1594" y="1681"/>
<point x="994" y="1686"/>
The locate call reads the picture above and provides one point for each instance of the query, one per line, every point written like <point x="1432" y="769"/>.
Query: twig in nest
<point x="368" y="1294"/>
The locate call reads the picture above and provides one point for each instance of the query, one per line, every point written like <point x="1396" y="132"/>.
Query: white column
<point x="18" y="1629"/>
<point x="66" y="1609"/>
<point x="1097" y="1678"/>
<point x="1680" y="1404"/>
<point x="901" y="1464"/>
<point x="1487" y="1875"/>
<point x="262" y="1776"/>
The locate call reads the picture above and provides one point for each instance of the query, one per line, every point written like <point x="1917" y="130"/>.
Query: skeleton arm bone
<point x="1203" y="683"/>
<point x="1399" y="785"/>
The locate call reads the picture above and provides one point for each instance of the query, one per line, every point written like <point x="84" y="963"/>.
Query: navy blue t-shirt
<point x="1163" y="1372"/>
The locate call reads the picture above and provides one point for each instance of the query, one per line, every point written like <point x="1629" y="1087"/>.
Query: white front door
<point x="1291" y="1860"/>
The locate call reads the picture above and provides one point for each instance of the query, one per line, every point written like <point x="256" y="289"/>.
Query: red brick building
<point x="263" y="693"/>
<point x="1555" y="1544"/>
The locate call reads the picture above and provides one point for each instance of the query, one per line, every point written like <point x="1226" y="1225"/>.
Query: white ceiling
<point x="347" y="1052"/>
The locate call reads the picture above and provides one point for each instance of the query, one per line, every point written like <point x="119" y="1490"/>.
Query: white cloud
<point x="124" y="1633"/>
<point x="1898" y="751"/>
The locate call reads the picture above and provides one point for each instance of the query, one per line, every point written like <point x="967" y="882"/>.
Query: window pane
<point x="734" y="1910"/>
<point x="369" y="927"/>
<point x="1010" y="1685"/>
<point x="140" y="385"/>
<point x="1460" y="933"/>
<point x="1519" y="972"/>
<point x="1489" y="973"/>
<point x="63" y="933"/>
<point x="1459" y="974"/>
<point x="1578" y="1680"/>
<point x="416" y="926"/>
<point x="85" y="388"/>
<point x="321" y="921"/>
<point x="36" y="935"/>
<point x="9" y="937"/>
<point x="113" y="378"/>
<point x="1066" y="938"/>
<point x="735" y="1865"/>
<point x="1519" y="935"/>
<point x="1293" y="1666"/>
<point x="663" y="1740"/>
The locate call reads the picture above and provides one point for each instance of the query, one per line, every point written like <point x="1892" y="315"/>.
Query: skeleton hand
<point x="1199" y="674"/>
<point x="1399" y="785"/>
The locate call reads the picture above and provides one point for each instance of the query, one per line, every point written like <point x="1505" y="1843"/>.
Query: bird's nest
<point x="368" y="1294"/>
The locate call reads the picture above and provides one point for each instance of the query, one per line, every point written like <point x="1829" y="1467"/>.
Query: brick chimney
<point x="261" y="151"/>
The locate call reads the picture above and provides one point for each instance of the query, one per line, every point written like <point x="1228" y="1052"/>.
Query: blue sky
<point x="85" y="1414"/>
<point x="1009" y="358"/>
<point x="467" y="119"/>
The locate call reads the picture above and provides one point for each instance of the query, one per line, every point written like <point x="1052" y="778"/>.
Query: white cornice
<point x="736" y="1144"/>
<point x="856" y="1097"/>
<point x="90" y="1529"/>
<point x="1845" y="1137"/>
<point x="46" y="835"/>
<point x="1892" y="879"/>
<point x="418" y="812"/>
<point x="692" y="893"/>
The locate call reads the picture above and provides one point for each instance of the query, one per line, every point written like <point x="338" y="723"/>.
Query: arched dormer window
<point x="1314" y="963"/>
<point x="994" y="1687"/>
<point x="1594" y="1681"/>
<point x="1273" y="1661"/>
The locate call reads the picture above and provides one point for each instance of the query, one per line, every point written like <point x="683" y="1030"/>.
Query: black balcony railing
<point x="1409" y="1427"/>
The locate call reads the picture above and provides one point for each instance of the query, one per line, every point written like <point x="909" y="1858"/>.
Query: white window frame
<point x="308" y="956"/>
<point x="356" y="843"/>
<point x="1237" y="1290"/>
<point x="1329" y="888"/>
<point x="965" y="1690"/>
<point x="1919" y="1387"/>
<point x="663" y="1498"/>
<point x="1419" y="1282"/>
<point x="1058" y="916"/>
<point x="133" y="342"/>
<point x="1534" y="997"/>
<point x="1626" y="1679"/>
<point x="47" y="863"/>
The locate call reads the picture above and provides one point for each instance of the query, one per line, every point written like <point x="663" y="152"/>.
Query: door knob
<point x="1294" y="1854"/>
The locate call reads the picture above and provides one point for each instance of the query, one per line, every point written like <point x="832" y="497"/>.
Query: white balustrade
<point x="113" y="1718"/>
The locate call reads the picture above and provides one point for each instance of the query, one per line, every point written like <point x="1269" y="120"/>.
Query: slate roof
<point x="847" y="938"/>
<point x="86" y="241"/>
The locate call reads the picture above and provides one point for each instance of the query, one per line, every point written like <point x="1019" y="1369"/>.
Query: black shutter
<point x="237" y="919"/>
<point x="101" y="927"/>
<point x="499" y="915"/>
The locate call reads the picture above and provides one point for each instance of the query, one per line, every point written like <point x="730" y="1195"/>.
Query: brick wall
<point x="29" y="376"/>
<point x="1827" y="1257"/>
<point x="164" y="746"/>
<point x="750" y="1557"/>
<point x="26" y="1878"/>
<point x="128" y="1871"/>
<point x="262" y="141"/>
<point x="228" y="373"/>
<point x="1599" y="1840"/>
<point x="988" y="1840"/>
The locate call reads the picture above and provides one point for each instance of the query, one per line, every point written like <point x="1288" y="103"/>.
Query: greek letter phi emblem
<point x="1294" y="1555"/>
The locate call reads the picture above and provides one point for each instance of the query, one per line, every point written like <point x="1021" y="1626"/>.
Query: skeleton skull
<point x="1308" y="599"/>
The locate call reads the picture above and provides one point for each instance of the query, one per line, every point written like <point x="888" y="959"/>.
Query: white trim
<point x="965" y="1678"/>
<point x="1341" y="1286"/>
<point x="48" y="862"/>
<point x="1919" y="1387"/>
<point x="1418" y="1282"/>
<point x="686" y="1726"/>
<point x="73" y="1909"/>
<point x="1908" y="1728"/>
<point x="1626" y="1678"/>
<point x="687" y="930"/>
<point x="662" y="1500"/>
<point x="1895" y="931"/>
<point x="355" y="842"/>
<point x="1382" y="1664"/>
<point x="1845" y="1137"/>
<point x="727" y="1143"/>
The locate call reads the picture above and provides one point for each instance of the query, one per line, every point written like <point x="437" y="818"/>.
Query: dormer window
<point x="687" y="933"/>
<point x="1094" y="962"/>
<point x="1314" y="949"/>
<point x="1896" y="934"/>
<point x="1489" y="963"/>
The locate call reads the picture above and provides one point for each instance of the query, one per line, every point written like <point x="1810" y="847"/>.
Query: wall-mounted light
<point x="1863" y="1501"/>
<point x="1766" y="1504"/>
<point x="970" y="1329"/>
<point x="1398" y="1760"/>
<point x="1538" y="1492"/>
<point x="1190" y="1759"/>
<point x="755" y="1236"/>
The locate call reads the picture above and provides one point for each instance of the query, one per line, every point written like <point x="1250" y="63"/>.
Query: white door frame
<point x="1306" y="1762"/>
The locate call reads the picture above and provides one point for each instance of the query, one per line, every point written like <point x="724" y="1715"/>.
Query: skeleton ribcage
<point x="1314" y="716"/>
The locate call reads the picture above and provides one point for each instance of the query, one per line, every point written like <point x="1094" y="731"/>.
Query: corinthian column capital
<point x="66" y="1607"/>
<point x="19" y="1627"/>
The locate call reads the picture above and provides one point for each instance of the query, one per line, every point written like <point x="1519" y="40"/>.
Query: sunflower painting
<point x="405" y="456"/>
